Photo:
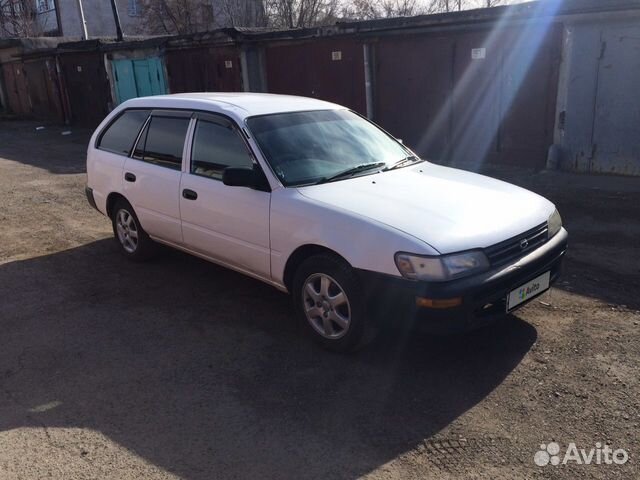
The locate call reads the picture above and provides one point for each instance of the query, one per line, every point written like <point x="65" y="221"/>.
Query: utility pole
<point x="85" y="34"/>
<point x="116" y="18"/>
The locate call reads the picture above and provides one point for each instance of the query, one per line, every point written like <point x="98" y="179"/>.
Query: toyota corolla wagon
<point x="315" y="200"/>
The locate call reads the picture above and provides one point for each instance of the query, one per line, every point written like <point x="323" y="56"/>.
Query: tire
<point x="133" y="242"/>
<point x="328" y="300"/>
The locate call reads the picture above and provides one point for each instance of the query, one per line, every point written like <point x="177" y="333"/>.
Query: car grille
<point x="517" y="246"/>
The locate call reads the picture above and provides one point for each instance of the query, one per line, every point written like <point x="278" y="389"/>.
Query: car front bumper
<point x="483" y="296"/>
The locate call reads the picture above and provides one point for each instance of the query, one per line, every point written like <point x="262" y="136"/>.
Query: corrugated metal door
<point x="328" y="69"/>
<point x="616" y="126"/>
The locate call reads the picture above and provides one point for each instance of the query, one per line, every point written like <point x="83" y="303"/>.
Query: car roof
<point x="242" y="105"/>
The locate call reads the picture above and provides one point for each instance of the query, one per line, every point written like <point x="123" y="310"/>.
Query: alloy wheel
<point x="326" y="306"/>
<point x="127" y="230"/>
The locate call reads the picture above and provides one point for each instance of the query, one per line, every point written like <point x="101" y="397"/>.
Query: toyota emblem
<point x="524" y="243"/>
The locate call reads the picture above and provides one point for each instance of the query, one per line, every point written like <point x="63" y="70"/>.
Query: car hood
<point x="449" y="209"/>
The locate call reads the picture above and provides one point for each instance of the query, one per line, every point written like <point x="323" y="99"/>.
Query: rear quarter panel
<point x="104" y="169"/>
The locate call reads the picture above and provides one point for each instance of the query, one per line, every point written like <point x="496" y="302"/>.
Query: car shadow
<point x="204" y="373"/>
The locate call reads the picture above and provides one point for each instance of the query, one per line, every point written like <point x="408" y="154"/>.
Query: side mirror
<point x="400" y="140"/>
<point x="245" y="177"/>
<point x="238" y="177"/>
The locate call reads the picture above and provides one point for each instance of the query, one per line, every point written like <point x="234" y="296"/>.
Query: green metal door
<point x="138" y="78"/>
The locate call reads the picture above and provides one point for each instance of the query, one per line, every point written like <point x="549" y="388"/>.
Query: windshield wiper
<point x="404" y="162"/>
<point x="352" y="171"/>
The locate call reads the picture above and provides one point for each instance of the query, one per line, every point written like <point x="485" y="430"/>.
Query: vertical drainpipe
<point x="244" y="67"/>
<point x="4" y="104"/>
<point x="64" y="94"/>
<point x="557" y="150"/>
<point x="368" y="77"/>
<point x="85" y="34"/>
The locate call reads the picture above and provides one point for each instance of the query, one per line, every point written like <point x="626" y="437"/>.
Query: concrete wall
<point x="99" y="17"/>
<point x="100" y="23"/>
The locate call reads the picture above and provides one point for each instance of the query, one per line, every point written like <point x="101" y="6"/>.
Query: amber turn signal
<point x="422" y="302"/>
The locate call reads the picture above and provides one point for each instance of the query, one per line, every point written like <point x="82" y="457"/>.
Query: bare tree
<point x="301" y="13"/>
<point x="367" y="10"/>
<point x="437" y="6"/>
<point x="243" y="13"/>
<point x="177" y="16"/>
<point x="19" y="18"/>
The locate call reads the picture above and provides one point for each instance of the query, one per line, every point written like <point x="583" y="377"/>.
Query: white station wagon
<point x="314" y="199"/>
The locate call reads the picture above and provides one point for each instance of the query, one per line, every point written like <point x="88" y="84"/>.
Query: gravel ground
<point x="181" y="369"/>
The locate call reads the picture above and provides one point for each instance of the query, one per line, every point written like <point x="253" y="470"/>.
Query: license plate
<point x="528" y="291"/>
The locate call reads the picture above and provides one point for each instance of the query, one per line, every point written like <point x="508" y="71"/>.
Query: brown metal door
<point x="87" y="87"/>
<point x="215" y="69"/>
<point x="471" y="97"/>
<point x="16" y="85"/>
<point x="224" y="70"/>
<point x="328" y="69"/>
<point x="475" y="99"/>
<point x="528" y="97"/>
<point x="187" y="71"/>
<point x="413" y="83"/>
<point x="43" y="90"/>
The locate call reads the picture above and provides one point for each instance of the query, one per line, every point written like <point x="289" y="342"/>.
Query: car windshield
<point x="315" y="146"/>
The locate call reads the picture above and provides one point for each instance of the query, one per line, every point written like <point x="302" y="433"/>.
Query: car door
<point x="228" y="224"/>
<point x="152" y="174"/>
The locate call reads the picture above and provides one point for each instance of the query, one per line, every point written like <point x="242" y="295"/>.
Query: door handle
<point x="189" y="194"/>
<point x="129" y="177"/>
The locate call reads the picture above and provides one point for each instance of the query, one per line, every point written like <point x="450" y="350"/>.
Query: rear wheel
<point x="132" y="240"/>
<point x="330" y="303"/>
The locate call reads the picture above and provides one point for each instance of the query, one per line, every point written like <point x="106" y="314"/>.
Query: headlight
<point x="554" y="224"/>
<point x="441" y="268"/>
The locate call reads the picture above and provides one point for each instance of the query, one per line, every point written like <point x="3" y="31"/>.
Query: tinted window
<point x="121" y="134"/>
<point x="162" y="142"/>
<point x="305" y="147"/>
<point x="216" y="147"/>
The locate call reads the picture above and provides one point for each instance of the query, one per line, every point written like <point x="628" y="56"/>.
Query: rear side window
<point x="120" y="136"/>
<point x="162" y="142"/>
<point x="216" y="147"/>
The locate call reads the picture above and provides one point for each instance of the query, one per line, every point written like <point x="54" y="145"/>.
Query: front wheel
<point x="329" y="301"/>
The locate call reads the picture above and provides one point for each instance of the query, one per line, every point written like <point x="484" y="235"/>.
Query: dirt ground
<point x="181" y="369"/>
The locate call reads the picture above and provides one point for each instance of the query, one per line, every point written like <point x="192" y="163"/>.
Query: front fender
<point x="365" y="243"/>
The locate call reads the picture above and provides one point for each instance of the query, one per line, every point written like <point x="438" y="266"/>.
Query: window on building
<point x="134" y="8"/>
<point x="12" y="8"/>
<point x="45" y="5"/>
